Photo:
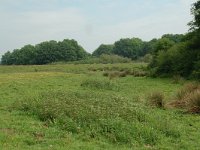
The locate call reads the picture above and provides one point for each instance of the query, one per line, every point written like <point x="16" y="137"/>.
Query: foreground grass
<point x="76" y="107"/>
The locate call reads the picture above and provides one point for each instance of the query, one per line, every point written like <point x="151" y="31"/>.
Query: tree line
<point x="135" y="48"/>
<point x="44" y="53"/>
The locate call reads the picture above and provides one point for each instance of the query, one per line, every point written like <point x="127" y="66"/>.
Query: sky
<point x="90" y="22"/>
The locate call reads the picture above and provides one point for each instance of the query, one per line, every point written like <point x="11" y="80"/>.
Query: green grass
<point x="76" y="107"/>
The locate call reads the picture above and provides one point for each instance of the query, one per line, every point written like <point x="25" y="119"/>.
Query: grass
<point x="74" y="107"/>
<point x="156" y="99"/>
<point x="188" y="98"/>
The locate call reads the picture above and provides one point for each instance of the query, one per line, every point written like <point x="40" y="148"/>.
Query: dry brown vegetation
<point x="188" y="98"/>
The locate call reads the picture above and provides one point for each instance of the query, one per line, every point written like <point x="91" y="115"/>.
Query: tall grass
<point x="95" y="115"/>
<point x="188" y="98"/>
<point x="155" y="99"/>
<point x="100" y="84"/>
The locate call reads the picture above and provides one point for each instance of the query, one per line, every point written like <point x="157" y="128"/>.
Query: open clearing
<point x="76" y="107"/>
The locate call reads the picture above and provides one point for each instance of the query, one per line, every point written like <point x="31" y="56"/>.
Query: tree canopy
<point x="103" y="49"/>
<point x="45" y="52"/>
<point x="179" y="54"/>
<point x="129" y="48"/>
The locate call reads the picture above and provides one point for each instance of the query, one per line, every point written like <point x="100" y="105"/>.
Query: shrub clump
<point x="156" y="99"/>
<point x="188" y="98"/>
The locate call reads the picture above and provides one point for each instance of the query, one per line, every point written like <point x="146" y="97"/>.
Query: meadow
<point x="91" y="106"/>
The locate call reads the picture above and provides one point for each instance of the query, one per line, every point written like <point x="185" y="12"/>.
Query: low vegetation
<point x="103" y="59"/>
<point x="76" y="107"/>
<point x="156" y="99"/>
<point x="188" y="98"/>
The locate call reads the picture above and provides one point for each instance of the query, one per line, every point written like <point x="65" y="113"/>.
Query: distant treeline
<point x="135" y="48"/>
<point x="44" y="53"/>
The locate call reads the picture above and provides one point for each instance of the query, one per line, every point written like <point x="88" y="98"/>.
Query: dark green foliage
<point x="178" y="54"/>
<point x="176" y="38"/>
<point x="160" y="47"/>
<point x="45" y="52"/>
<point x="6" y="58"/>
<point x="103" y="49"/>
<point x="148" y="47"/>
<point x="130" y="48"/>
<point x="178" y="60"/>
<point x="163" y="44"/>
<point x="195" y="24"/>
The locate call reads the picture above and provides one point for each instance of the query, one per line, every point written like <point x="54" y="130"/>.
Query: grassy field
<point x="101" y="106"/>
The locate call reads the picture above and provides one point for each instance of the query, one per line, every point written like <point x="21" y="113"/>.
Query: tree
<point x="45" y="52"/>
<point x="148" y="47"/>
<point x="27" y="55"/>
<point x="103" y="49"/>
<point x="6" y="59"/>
<point x="195" y="11"/>
<point x="163" y="44"/>
<point x="129" y="48"/>
<point x="70" y="50"/>
<point x="176" y="38"/>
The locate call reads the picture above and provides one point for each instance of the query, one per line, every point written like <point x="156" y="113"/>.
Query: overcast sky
<point x="90" y="22"/>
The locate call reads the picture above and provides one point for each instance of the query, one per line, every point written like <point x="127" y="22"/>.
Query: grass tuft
<point x="156" y="99"/>
<point x="188" y="98"/>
